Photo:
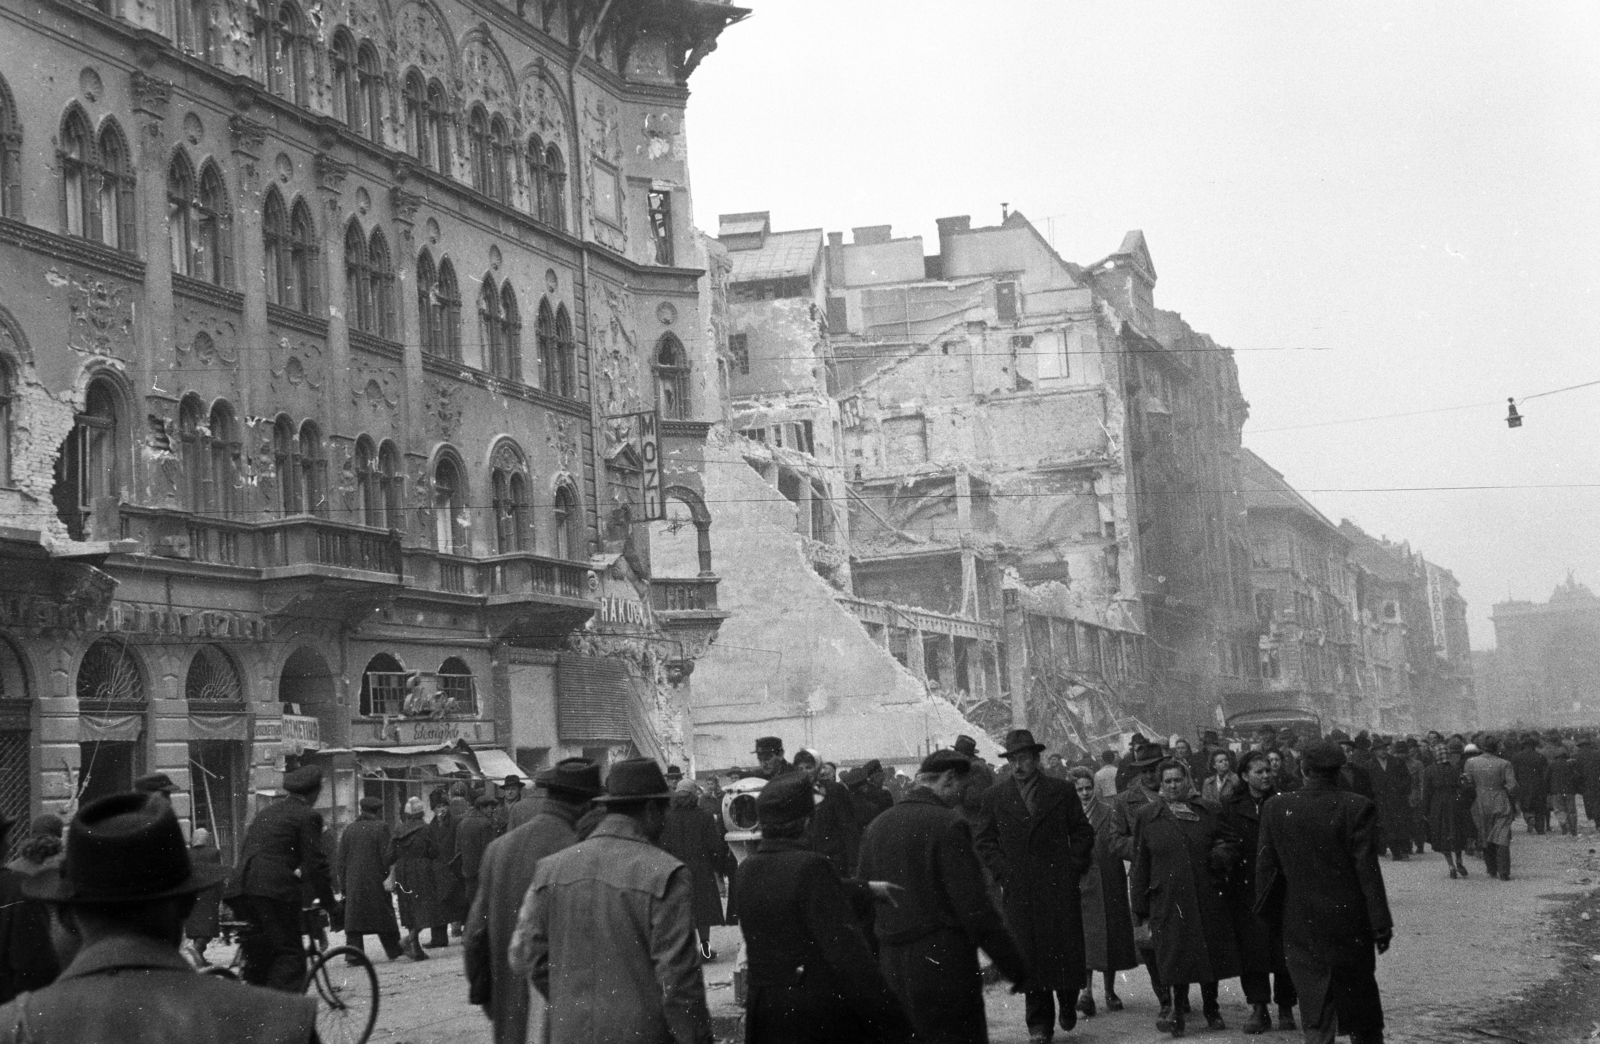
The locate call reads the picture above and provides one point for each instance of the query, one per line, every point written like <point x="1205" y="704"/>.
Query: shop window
<point x="457" y="692"/>
<point x="383" y="687"/>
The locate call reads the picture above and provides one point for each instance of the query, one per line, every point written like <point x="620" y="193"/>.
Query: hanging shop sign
<point x="644" y="433"/>
<point x="294" y="733"/>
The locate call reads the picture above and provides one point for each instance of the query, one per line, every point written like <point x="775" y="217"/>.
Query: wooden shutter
<point x="592" y="695"/>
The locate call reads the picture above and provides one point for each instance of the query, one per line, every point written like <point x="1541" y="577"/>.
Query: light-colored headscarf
<point x="414" y="806"/>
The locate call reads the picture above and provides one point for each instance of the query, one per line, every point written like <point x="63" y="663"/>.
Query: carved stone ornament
<point x="403" y="205"/>
<point x="667" y="312"/>
<point x="99" y="319"/>
<point x="331" y="172"/>
<point x="442" y="406"/>
<point x="89" y="84"/>
<point x="151" y="95"/>
<point x="248" y="135"/>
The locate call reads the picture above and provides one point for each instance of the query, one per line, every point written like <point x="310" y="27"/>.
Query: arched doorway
<point x="111" y="720"/>
<point x="219" y="746"/>
<point x="305" y="684"/>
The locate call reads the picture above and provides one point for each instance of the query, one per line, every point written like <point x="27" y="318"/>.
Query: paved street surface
<point x="1461" y="947"/>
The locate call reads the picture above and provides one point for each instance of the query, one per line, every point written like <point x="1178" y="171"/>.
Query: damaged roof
<point x="782" y="255"/>
<point x="1265" y="489"/>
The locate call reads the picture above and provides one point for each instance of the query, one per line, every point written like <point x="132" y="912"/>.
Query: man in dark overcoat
<point x="473" y="835"/>
<point x="1587" y="758"/>
<point x="1037" y="842"/>
<point x="1391" y="781"/>
<point x="504" y="814"/>
<point x="872" y="790"/>
<point x="503" y="881"/>
<point x="1533" y="782"/>
<point x="448" y="812"/>
<point x="1143" y="789"/>
<point x="769" y="755"/>
<point x="1354" y="776"/>
<point x="1262" y="972"/>
<point x="365" y="855"/>
<point x="979" y="779"/>
<point x="694" y="837"/>
<point x="813" y="978"/>
<point x="1317" y="875"/>
<point x="929" y="939"/>
<point x="834" y="831"/>
<point x="282" y="855"/>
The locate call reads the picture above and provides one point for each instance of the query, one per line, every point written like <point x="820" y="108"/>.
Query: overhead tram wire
<point x="1418" y="413"/>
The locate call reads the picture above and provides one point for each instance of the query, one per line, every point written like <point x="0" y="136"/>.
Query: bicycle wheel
<point x="346" y="987"/>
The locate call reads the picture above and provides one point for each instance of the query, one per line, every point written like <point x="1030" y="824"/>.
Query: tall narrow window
<point x="555" y="176"/>
<point x="566" y="356"/>
<point x="357" y="279"/>
<point x="213" y="230"/>
<point x="7" y="421"/>
<point x="192" y="454"/>
<point x="489" y="327"/>
<point x="286" y="69"/>
<point x="500" y="499"/>
<point x="544" y="338"/>
<point x="427" y="306"/>
<point x="510" y="504"/>
<point x="449" y="508"/>
<point x="224" y="452"/>
<point x="568" y="525"/>
<point x="194" y="27"/>
<point x="382" y="276"/>
<point x="537" y="187"/>
<point x="313" y="471"/>
<point x="342" y="58"/>
<point x="366" y="463"/>
<point x="182" y="228"/>
<point x="478" y="150"/>
<point x="302" y="294"/>
<point x="439" y="127"/>
<point x="416" y="97"/>
<point x="661" y="225"/>
<point x="390" y="485"/>
<point x="369" y="88"/>
<point x="286" y="458"/>
<point x="511" y="333"/>
<point x="672" y="379"/>
<point x="499" y="160"/>
<point x="117" y="218"/>
<point x="275" y="247"/>
<point x="10" y="154"/>
<point x="448" y="297"/>
<point x="76" y="160"/>
<point x="91" y="467"/>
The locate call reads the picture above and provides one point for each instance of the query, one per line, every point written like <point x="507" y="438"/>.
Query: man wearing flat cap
<point x="769" y="755"/>
<point x="928" y="941"/>
<point x="125" y="980"/>
<point x="1037" y="842"/>
<point x="812" y="976"/>
<point x="1317" y="875"/>
<point x="504" y="877"/>
<point x="282" y="860"/>
<point x="366" y="852"/>
<point x="606" y="932"/>
<point x="158" y="784"/>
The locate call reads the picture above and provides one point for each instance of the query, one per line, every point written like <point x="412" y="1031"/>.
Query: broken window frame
<point x="660" y="207"/>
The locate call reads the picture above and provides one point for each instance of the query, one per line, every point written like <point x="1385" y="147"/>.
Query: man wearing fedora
<point x="928" y="939"/>
<point x="1037" y="842"/>
<point x="120" y="900"/>
<point x="504" y="813"/>
<point x="980" y="778"/>
<point x="283" y="860"/>
<point x="507" y="871"/>
<point x="607" y="930"/>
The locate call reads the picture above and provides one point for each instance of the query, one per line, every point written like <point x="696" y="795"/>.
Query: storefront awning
<point x="219" y="727"/>
<point x="496" y="765"/>
<point x="114" y="728"/>
<point x="444" y="759"/>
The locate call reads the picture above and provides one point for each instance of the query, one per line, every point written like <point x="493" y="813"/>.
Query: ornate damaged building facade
<point x="341" y="344"/>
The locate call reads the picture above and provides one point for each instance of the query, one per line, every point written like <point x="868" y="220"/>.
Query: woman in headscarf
<point x="416" y="880"/>
<point x="1495" y="784"/>
<point x="1223" y="780"/>
<point x="1447" y="813"/>
<point x="1103" y="891"/>
<point x="1182" y="858"/>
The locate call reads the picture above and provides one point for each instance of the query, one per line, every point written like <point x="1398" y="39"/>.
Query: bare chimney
<point x="948" y="227"/>
<point x="869" y="234"/>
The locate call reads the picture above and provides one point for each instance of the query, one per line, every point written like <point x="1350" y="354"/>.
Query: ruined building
<point x="341" y="346"/>
<point x="1545" y="668"/>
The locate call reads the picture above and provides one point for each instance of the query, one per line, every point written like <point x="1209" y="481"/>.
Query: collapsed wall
<point x="789" y="660"/>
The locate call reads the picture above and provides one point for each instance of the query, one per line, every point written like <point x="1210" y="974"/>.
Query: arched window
<point x="456" y="689"/>
<point x="391" y="484"/>
<point x="108" y="673"/>
<point x="565" y="357"/>
<point x="415" y="94"/>
<point x="369" y="86"/>
<point x="383" y="687"/>
<point x="672" y="379"/>
<point x="194" y="27"/>
<point x="499" y="160"/>
<point x="537" y="177"/>
<point x="478" y="150"/>
<point x="182" y="224"/>
<point x="510" y="333"/>
<point x="494" y="359"/>
<point x="555" y="175"/>
<point x="212" y="678"/>
<point x="224" y="446"/>
<point x="75" y="158"/>
<point x="427" y="308"/>
<point x="275" y="247"/>
<point x="357" y="279"/>
<point x="448" y="298"/>
<point x="302" y="290"/>
<point x="92" y="467"/>
<point x="544" y="336"/>
<point x="7" y="420"/>
<point x="286" y="56"/>
<point x="213" y="230"/>
<point x="118" y="220"/>
<point x="509" y="492"/>
<point x="10" y="155"/>
<point x="192" y="453"/>
<point x="313" y="477"/>
<point x="366" y="462"/>
<point x="439" y="127"/>
<point x="449" y="508"/>
<point x="568" y="525"/>
<point x="342" y="57"/>
<point x="286" y="456"/>
<point x="382" y="269"/>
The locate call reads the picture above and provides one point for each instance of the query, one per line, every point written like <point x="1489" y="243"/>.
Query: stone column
<point x="153" y="320"/>
<point x="249" y="138"/>
<point x="330" y="185"/>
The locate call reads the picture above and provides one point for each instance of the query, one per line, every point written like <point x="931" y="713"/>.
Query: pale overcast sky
<point x="1382" y="207"/>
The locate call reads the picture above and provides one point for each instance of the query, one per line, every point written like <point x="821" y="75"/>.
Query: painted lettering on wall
<point x="616" y="610"/>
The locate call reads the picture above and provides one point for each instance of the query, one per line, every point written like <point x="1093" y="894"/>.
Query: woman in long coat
<point x="416" y="878"/>
<point x="1182" y="857"/>
<point x="1103" y="892"/>
<point x="694" y="837"/>
<point x="1263" y="972"/>
<point x="366" y="850"/>
<point x="1447" y="812"/>
<point x="1493" y="810"/>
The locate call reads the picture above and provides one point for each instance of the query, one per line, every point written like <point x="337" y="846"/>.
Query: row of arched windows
<point x="97" y="182"/>
<point x="508" y="505"/>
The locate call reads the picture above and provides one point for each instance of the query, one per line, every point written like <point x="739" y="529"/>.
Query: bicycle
<point x="343" y="978"/>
